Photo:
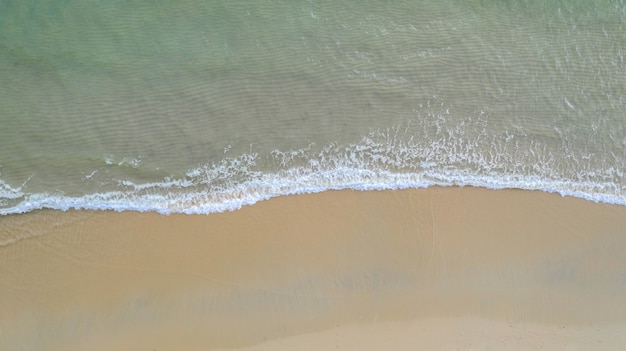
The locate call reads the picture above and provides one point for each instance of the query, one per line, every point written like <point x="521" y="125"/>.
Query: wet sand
<point x="439" y="268"/>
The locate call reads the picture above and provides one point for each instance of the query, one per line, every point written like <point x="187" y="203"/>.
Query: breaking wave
<point x="395" y="158"/>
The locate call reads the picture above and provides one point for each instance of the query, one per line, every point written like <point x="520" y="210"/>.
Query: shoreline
<point x="234" y="199"/>
<point x="302" y="265"/>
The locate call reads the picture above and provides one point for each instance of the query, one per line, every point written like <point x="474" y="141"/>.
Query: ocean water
<point x="204" y="106"/>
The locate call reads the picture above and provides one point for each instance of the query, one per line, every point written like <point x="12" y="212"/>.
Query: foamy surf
<point x="268" y="186"/>
<point x="384" y="160"/>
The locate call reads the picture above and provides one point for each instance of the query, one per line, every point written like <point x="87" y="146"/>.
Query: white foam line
<point x="381" y="161"/>
<point x="268" y="186"/>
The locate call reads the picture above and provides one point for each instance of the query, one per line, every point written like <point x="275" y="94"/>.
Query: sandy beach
<point x="438" y="268"/>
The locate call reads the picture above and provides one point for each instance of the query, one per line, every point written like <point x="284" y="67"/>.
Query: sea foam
<point x="382" y="160"/>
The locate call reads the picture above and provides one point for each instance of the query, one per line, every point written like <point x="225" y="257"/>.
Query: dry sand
<point x="439" y="268"/>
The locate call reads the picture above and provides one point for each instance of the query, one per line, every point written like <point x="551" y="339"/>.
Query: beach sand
<point x="438" y="268"/>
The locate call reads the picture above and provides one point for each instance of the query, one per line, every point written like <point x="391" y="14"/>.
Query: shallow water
<point x="199" y="107"/>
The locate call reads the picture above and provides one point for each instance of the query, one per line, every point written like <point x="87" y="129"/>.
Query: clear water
<point x="204" y="106"/>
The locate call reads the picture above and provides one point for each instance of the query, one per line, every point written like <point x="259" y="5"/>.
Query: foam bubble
<point x="295" y="181"/>
<point x="388" y="159"/>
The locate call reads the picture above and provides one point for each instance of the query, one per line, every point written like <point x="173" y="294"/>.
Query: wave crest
<point x="396" y="158"/>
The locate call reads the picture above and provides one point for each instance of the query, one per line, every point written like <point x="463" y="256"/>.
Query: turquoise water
<point x="198" y="107"/>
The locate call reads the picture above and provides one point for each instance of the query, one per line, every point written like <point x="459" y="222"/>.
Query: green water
<point x="98" y="94"/>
